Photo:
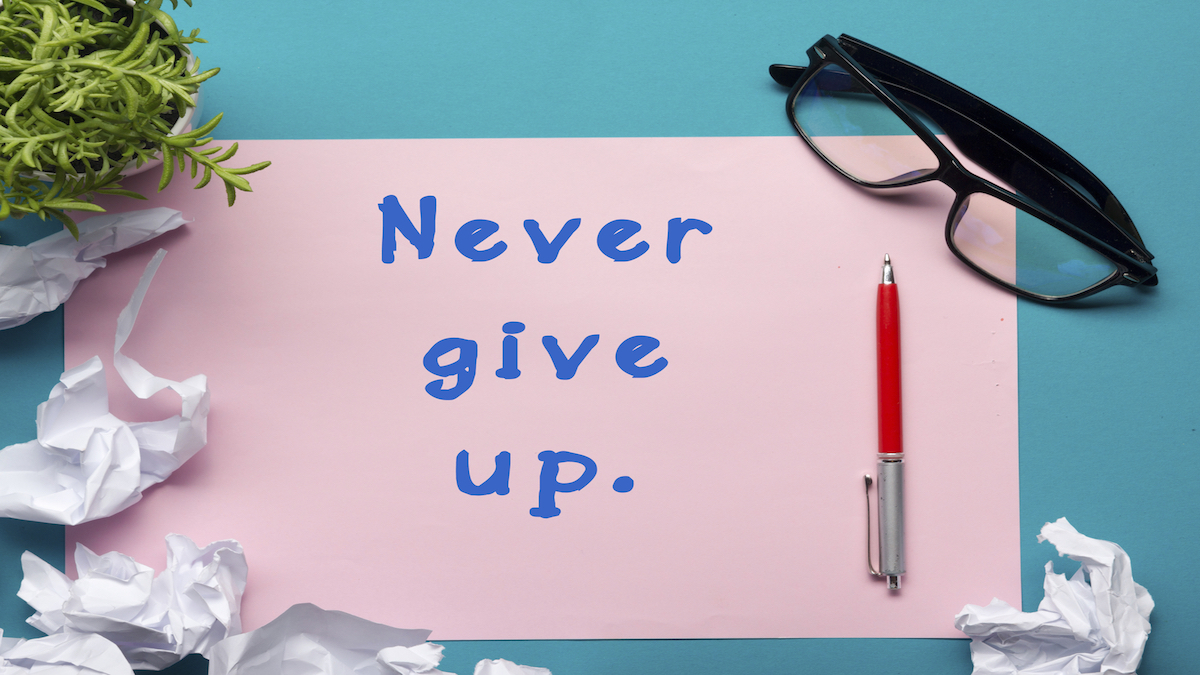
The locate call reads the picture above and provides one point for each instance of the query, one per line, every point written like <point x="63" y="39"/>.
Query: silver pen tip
<point x="888" y="277"/>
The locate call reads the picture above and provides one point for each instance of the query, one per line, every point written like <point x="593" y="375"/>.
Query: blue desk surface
<point x="1108" y="406"/>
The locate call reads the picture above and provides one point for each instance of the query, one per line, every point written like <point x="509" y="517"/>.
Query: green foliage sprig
<point x="89" y="88"/>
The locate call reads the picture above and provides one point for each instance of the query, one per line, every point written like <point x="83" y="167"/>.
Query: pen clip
<point x="870" y="562"/>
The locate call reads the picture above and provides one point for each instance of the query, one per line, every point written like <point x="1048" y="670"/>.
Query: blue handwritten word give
<point x="629" y="355"/>
<point x="549" y="485"/>
<point x="613" y="239"/>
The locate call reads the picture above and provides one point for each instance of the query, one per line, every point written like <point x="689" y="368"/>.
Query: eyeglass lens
<point x="856" y="132"/>
<point x="1022" y="250"/>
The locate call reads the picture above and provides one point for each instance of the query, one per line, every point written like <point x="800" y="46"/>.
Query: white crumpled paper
<point x="41" y="276"/>
<point x="86" y="463"/>
<point x="306" y="639"/>
<point x="1095" y="622"/>
<point x="62" y="655"/>
<point x="192" y="605"/>
<point x="502" y="667"/>
<point x="419" y="660"/>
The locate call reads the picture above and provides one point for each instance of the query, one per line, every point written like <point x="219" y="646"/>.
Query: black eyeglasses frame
<point x="999" y="143"/>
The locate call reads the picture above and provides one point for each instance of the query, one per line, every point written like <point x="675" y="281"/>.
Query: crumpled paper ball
<point x="62" y="654"/>
<point x="154" y="621"/>
<point x="41" y="276"/>
<point x="306" y="640"/>
<point x="86" y="463"/>
<point x="1095" y="622"/>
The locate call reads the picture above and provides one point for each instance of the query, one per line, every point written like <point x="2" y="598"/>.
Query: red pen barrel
<point x="887" y="322"/>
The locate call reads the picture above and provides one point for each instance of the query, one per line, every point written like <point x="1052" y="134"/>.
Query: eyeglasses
<point x="1046" y="229"/>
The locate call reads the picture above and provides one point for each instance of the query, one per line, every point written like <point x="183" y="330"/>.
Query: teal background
<point x="1108" y="404"/>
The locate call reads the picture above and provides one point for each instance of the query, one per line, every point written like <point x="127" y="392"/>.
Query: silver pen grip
<point x="891" y="518"/>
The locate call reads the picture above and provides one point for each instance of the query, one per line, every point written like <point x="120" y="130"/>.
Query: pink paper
<point x="329" y="461"/>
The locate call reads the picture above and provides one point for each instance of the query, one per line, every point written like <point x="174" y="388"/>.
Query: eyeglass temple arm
<point x="962" y="130"/>
<point x="893" y="70"/>
<point x="1035" y="181"/>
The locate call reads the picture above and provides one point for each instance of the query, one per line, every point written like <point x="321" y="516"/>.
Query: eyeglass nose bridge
<point x="953" y="174"/>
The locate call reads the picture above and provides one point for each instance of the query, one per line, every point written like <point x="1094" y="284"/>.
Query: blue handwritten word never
<point x="472" y="235"/>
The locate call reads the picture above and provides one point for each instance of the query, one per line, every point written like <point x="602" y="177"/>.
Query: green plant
<point x="90" y="88"/>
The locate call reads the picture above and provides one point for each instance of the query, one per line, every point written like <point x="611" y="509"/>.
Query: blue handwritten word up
<point x="549" y="485"/>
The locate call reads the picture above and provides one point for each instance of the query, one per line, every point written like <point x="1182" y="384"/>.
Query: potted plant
<point x="93" y="91"/>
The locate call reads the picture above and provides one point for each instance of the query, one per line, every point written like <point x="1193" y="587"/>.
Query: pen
<point x="891" y="446"/>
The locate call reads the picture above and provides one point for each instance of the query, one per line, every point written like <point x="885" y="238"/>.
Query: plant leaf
<point x="168" y="169"/>
<point x="121" y="193"/>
